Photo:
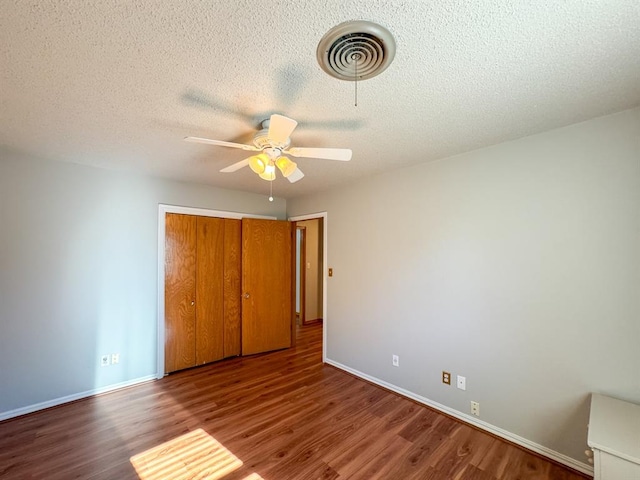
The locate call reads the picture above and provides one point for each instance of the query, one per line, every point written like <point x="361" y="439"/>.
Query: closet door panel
<point x="179" y="303"/>
<point x="232" y="286"/>
<point x="266" y="285"/>
<point x="209" y="289"/>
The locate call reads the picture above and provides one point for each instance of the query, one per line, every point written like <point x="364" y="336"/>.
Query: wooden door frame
<point x="301" y="266"/>
<point x="163" y="209"/>
<point x="325" y="263"/>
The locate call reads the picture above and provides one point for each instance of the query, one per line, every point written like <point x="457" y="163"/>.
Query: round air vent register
<point x="356" y="50"/>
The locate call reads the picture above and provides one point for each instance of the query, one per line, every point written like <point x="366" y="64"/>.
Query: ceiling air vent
<point x="356" y="50"/>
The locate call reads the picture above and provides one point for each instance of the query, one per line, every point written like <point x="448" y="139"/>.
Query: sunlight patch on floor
<point x="193" y="455"/>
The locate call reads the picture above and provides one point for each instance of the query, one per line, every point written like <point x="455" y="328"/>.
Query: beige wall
<point x="517" y="266"/>
<point x="313" y="268"/>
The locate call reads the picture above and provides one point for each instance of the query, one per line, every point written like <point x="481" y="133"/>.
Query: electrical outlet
<point x="475" y="409"/>
<point x="104" y="360"/>
<point x="462" y="382"/>
<point x="115" y="358"/>
<point x="446" y="377"/>
<point x="395" y="360"/>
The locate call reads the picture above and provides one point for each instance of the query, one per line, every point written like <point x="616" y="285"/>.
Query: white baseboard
<point x="499" y="432"/>
<point x="70" y="398"/>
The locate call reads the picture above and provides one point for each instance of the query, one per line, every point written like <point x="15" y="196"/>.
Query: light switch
<point x="331" y="272"/>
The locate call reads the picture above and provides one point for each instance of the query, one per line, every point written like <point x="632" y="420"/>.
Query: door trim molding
<point x="325" y="262"/>
<point x="163" y="209"/>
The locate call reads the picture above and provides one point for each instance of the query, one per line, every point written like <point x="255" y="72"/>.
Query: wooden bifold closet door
<point x="267" y="300"/>
<point x="209" y="298"/>
<point x="202" y="290"/>
<point x="180" y="292"/>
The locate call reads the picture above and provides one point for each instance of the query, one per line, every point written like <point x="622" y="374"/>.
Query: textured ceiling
<point x="119" y="83"/>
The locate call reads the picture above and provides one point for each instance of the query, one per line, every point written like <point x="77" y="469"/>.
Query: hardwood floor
<point x="276" y="416"/>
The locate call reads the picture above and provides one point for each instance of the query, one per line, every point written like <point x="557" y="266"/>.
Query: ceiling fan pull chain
<point x="271" y="190"/>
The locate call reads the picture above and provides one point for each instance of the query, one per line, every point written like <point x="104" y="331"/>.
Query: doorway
<point x="309" y="267"/>
<point x="301" y="261"/>
<point x="321" y="222"/>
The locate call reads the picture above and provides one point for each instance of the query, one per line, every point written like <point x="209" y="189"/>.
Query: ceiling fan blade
<point x="295" y="176"/>
<point x="343" y="154"/>
<point x="236" y="166"/>
<point x="280" y="128"/>
<point x="221" y="143"/>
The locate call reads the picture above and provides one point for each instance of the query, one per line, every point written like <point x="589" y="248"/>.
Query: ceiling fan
<point x="272" y="142"/>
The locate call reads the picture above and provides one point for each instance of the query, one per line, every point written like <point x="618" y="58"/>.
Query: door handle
<point x="246" y="295"/>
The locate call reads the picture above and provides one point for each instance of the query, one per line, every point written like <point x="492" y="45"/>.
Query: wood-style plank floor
<point x="276" y="416"/>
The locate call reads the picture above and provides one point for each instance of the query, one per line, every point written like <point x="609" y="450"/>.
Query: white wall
<point x="517" y="266"/>
<point x="78" y="273"/>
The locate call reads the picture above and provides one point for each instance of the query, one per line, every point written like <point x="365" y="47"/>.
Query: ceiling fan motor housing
<point x="261" y="140"/>
<point x="356" y="50"/>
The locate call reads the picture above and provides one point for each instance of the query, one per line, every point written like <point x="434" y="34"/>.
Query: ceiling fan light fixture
<point x="269" y="173"/>
<point x="259" y="163"/>
<point x="286" y="166"/>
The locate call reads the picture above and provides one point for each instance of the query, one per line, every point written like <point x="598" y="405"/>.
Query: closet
<point x="228" y="288"/>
